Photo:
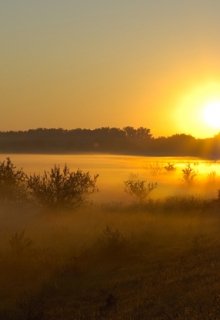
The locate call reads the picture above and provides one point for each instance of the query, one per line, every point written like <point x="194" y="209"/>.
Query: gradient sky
<point x="93" y="63"/>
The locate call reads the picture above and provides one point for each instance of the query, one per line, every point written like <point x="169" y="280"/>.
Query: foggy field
<point x="105" y="263"/>
<point x="110" y="160"/>
<point x="113" y="170"/>
<point x="115" y="257"/>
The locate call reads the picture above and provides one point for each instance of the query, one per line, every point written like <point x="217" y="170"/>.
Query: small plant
<point x="12" y="182"/>
<point x="20" y="243"/>
<point x="112" y="241"/>
<point x="212" y="176"/>
<point x="110" y="304"/>
<point x="155" y="169"/>
<point x="170" y="167"/>
<point x="140" y="189"/>
<point x="189" y="174"/>
<point x="61" y="188"/>
<point x="112" y="236"/>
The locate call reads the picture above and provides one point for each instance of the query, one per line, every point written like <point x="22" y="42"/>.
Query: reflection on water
<point x="113" y="170"/>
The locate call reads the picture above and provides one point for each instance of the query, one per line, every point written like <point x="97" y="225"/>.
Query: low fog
<point x="122" y="252"/>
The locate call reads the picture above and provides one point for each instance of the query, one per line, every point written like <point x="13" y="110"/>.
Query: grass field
<point x="111" y="262"/>
<point x="148" y="256"/>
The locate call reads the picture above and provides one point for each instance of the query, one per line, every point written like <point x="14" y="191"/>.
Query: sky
<point x="95" y="63"/>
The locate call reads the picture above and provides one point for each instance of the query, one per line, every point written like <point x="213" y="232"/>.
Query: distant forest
<point x="128" y="140"/>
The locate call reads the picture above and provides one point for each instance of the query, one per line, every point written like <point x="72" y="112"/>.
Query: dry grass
<point x="111" y="263"/>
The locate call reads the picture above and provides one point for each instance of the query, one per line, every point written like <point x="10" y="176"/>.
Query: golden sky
<point x="93" y="63"/>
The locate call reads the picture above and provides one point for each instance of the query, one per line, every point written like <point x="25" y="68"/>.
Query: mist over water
<point x="113" y="170"/>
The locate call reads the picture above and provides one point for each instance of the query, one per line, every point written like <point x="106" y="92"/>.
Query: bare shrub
<point x="212" y="175"/>
<point x="20" y="243"/>
<point x="112" y="237"/>
<point x="112" y="242"/>
<point x="155" y="169"/>
<point x="189" y="174"/>
<point x="169" y="167"/>
<point x="139" y="189"/>
<point x="61" y="188"/>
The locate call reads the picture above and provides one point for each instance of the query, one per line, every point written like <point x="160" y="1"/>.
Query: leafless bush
<point x="20" y="243"/>
<point x="189" y="174"/>
<point x="169" y="167"/>
<point x="140" y="189"/>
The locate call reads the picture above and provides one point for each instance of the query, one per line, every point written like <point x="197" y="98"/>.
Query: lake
<point x="113" y="170"/>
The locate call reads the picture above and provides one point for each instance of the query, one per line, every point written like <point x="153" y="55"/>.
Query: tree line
<point x="128" y="140"/>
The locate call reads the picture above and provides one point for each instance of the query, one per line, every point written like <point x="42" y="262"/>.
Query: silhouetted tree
<point x="128" y="140"/>
<point x="12" y="182"/>
<point x="61" y="188"/>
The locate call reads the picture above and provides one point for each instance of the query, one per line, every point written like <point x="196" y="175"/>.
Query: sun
<point x="197" y="112"/>
<point x="211" y="114"/>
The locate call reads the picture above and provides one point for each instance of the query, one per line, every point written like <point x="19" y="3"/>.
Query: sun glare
<point x="198" y="111"/>
<point x="211" y="114"/>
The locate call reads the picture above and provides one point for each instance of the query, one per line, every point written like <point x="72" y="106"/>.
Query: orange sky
<point x="109" y="63"/>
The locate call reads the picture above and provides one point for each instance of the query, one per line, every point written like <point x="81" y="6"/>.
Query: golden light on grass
<point x="198" y="111"/>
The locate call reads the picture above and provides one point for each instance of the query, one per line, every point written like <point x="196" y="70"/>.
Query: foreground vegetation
<point x="110" y="263"/>
<point x="56" y="189"/>
<point x="150" y="259"/>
